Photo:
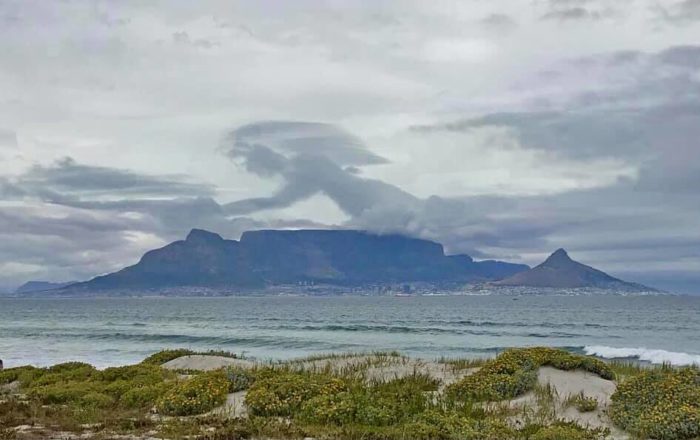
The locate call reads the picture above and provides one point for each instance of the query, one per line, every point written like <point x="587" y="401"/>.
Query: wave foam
<point x="643" y="354"/>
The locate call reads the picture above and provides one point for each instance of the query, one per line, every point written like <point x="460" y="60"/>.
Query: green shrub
<point x="239" y="379"/>
<point x="195" y="396"/>
<point x="61" y="373"/>
<point x="568" y="431"/>
<point x="663" y="404"/>
<point x="279" y="393"/>
<point x="514" y="372"/>
<point x="12" y="374"/>
<point x="95" y="399"/>
<point x="143" y="396"/>
<point x="62" y="393"/>
<point x="166" y="355"/>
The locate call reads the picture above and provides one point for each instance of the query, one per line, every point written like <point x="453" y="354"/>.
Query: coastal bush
<point x="22" y="374"/>
<point x="197" y="395"/>
<point x="281" y="393"/>
<point x="143" y="396"/>
<point x="79" y="384"/>
<point x="514" y="372"/>
<point x="164" y="356"/>
<point x="145" y="374"/>
<point x="239" y="379"/>
<point x="663" y="404"/>
<point x="61" y="373"/>
<point x="567" y="431"/>
<point x="61" y="393"/>
<point x="94" y="399"/>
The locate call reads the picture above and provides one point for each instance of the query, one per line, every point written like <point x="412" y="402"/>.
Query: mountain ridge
<point x="264" y="258"/>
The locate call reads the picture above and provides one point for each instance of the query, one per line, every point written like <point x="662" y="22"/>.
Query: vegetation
<point x="168" y="355"/>
<point x="341" y="399"/>
<point x="195" y="396"/>
<point x="582" y="402"/>
<point x="662" y="404"/>
<point x="514" y="372"/>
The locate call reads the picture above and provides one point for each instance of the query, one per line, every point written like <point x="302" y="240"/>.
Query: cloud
<point x="310" y="158"/>
<point x="680" y="12"/>
<point x="580" y="10"/>
<point x="66" y="180"/>
<point x="649" y="120"/>
<point x="8" y="139"/>
<point x="535" y="136"/>
<point x="499" y="22"/>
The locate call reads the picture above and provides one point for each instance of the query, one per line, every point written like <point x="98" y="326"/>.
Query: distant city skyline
<point x="502" y="130"/>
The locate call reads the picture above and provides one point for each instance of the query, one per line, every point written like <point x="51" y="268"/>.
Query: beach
<point x="534" y="393"/>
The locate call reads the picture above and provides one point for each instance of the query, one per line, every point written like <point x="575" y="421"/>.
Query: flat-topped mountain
<point x="273" y="257"/>
<point x="560" y="271"/>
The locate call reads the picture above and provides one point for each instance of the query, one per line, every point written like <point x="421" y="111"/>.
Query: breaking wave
<point x="643" y="354"/>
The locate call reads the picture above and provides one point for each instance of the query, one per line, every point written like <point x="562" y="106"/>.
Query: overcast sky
<point x="502" y="129"/>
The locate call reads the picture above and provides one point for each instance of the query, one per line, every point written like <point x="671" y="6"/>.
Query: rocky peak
<point x="203" y="237"/>
<point x="558" y="258"/>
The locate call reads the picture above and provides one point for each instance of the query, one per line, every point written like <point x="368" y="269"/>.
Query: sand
<point x="206" y="363"/>
<point x="570" y="383"/>
<point x="386" y="368"/>
<point x="234" y="407"/>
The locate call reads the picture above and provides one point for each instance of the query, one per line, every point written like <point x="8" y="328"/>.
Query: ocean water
<point x="116" y="331"/>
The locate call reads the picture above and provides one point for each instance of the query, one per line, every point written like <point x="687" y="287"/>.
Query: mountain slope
<point x="272" y="257"/>
<point x="560" y="271"/>
<point x="40" y="286"/>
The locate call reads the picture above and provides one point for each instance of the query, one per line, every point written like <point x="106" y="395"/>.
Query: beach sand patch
<point x="206" y="363"/>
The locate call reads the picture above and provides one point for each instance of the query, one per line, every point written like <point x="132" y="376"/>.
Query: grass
<point x="314" y="398"/>
<point x="582" y="402"/>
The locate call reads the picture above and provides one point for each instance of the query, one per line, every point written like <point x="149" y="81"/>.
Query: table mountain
<point x="560" y="271"/>
<point x="272" y="257"/>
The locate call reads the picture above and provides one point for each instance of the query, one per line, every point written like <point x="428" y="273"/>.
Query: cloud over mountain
<point x="501" y="129"/>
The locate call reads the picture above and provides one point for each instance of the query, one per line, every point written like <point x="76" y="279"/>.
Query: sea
<point x="117" y="331"/>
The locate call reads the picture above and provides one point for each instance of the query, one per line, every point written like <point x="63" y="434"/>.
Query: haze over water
<point x="114" y="331"/>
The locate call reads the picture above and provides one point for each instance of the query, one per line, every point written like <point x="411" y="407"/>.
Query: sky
<point x="503" y="129"/>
